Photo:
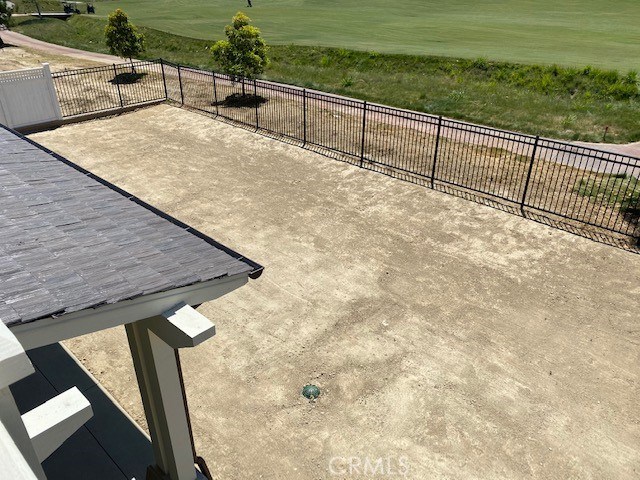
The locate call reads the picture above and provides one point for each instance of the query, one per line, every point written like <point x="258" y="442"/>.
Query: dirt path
<point x="20" y="40"/>
<point x="19" y="58"/>
<point x="631" y="149"/>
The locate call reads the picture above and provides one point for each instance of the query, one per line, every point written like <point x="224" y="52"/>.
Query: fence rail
<point x="97" y="89"/>
<point x="585" y="186"/>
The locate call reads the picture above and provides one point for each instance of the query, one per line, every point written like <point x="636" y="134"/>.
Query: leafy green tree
<point x="122" y="37"/>
<point x="244" y="53"/>
<point x="5" y="16"/>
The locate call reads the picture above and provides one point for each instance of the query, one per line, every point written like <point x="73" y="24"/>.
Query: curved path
<point x="18" y="39"/>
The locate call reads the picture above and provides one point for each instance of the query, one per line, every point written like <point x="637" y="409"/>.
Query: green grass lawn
<point x="558" y="102"/>
<point x="29" y="6"/>
<point x="602" y="33"/>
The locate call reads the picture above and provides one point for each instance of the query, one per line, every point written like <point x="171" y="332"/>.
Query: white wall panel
<point x="28" y="97"/>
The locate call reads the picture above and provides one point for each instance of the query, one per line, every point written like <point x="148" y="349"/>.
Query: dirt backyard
<point x="575" y="186"/>
<point x="450" y="339"/>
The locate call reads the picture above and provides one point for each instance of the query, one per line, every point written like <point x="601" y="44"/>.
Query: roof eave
<point x="51" y="330"/>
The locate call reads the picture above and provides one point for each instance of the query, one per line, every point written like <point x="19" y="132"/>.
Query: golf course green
<point x="600" y="33"/>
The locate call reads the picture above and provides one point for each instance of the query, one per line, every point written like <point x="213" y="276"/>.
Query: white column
<point x="39" y="432"/>
<point x="12" y="463"/>
<point x="12" y="422"/>
<point x="157" y="371"/>
<point x="14" y="365"/>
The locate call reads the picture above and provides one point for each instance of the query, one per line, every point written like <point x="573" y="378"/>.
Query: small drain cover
<point x="311" y="392"/>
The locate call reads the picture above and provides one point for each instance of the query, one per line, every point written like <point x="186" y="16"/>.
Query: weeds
<point x="347" y="81"/>
<point x="618" y="190"/>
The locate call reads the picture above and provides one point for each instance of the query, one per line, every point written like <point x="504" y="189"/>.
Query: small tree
<point x="244" y="53"/>
<point x="122" y="37"/>
<point x="5" y="16"/>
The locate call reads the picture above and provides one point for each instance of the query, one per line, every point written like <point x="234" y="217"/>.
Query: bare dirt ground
<point x="572" y="185"/>
<point x="568" y="181"/>
<point x="452" y="337"/>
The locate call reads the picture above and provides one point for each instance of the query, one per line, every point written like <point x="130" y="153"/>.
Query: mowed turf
<point x="558" y="102"/>
<point x="568" y="32"/>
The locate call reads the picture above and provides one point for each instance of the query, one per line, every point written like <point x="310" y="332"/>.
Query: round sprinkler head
<point x="311" y="392"/>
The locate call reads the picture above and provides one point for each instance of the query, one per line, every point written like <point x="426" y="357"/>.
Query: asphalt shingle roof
<point x="71" y="241"/>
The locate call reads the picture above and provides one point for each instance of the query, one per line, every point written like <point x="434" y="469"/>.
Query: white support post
<point x="12" y="463"/>
<point x="12" y="422"/>
<point x="14" y="366"/>
<point x="153" y="342"/>
<point x="14" y="363"/>
<point x="27" y="440"/>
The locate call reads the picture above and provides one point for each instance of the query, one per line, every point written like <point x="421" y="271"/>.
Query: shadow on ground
<point x="108" y="447"/>
<point x="239" y="100"/>
<point x="127" y="78"/>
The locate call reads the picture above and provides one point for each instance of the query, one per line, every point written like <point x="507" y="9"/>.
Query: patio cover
<point x="78" y="254"/>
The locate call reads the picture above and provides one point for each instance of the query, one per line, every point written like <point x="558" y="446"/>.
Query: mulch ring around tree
<point x="127" y="78"/>
<point x="239" y="100"/>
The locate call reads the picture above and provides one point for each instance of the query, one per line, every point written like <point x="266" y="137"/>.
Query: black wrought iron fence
<point x="580" y="184"/>
<point x="110" y="87"/>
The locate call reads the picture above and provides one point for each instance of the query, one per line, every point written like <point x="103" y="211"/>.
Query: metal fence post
<point x="72" y="103"/>
<point x="215" y="92"/>
<point x="364" y="130"/>
<point x="255" y="99"/>
<point x="180" y="81"/>
<point x="304" y="117"/>
<point x="526" y="184"/>
<point x="164" y="80"/>
<point x="435" y="153"/>
<point x="115" y="79"/>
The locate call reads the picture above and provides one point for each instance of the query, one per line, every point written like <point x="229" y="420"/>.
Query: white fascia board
<point x="51" y="330"/>
<point x="50" y="424"/>
<point x="14" y="363"/>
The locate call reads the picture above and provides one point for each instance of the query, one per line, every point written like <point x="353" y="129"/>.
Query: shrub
<point x="244" y="53"/>
<point x="122" y="37"/>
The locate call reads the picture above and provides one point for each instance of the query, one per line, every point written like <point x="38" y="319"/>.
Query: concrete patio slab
<point x="108" y="447"/>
